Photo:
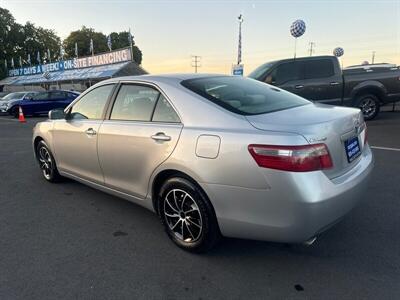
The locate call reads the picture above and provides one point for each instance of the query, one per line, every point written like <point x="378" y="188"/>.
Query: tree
<point x="82" y="38"/>
<point x="39" y="39"/>
<point x="7" y="23"/>
<point x="18" y="40"/>
<point x="121" y="40"/>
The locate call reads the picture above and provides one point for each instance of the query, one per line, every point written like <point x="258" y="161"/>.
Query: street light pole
<point x="239" y="59"/>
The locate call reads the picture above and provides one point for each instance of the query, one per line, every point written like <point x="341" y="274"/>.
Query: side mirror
<point x="56" y="114"/>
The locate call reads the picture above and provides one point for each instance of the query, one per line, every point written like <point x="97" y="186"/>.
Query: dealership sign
<point x="237" y="70"/>
<point x="108" y="58"/>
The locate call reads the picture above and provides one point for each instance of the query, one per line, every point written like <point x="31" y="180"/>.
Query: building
<point x="73" y="74"/>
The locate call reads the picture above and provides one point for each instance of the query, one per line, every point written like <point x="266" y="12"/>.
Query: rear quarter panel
<point x="384" y="84"/>
<point x="234" y="166"/>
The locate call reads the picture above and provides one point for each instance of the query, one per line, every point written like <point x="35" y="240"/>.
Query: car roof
<point x="304" y="58"/>
<point x="61" y="91"/>
<point x="178" y="77"/>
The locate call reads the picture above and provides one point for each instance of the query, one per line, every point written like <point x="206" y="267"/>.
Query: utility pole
<point x="196" y="62"/>
<point x="311" y="49"/>
<point x="373" y="56"/>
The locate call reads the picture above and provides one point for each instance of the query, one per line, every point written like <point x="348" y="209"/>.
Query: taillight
<point x="304" y="158"/>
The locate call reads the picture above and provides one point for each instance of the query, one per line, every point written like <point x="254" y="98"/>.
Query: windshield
<point x="242" y="95"/>
<point x="14" y="96"/>
<point x="260" y="71"/>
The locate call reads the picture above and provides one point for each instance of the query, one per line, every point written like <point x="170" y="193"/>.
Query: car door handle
<point x="299" y="86"/>
<point x="334" y="83"/>
<point x="91" y="132"/>
<point x="160" y="136"/>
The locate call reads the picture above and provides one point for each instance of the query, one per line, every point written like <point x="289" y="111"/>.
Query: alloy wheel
<point x="46" y="162"/>
<point x="368" y="107"/>
<point x="183" y="216"/>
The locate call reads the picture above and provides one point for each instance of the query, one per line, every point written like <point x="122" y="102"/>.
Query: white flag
<point x="91" y="46"/>
<point x="62" y="52"/>
<point x="109" y="43"/>
<point x="130" y="37"/>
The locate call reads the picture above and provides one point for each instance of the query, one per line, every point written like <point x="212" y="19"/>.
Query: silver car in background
<point x="212" y="155"/>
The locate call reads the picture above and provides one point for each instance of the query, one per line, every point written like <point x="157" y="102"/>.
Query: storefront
<point x="74" y="74"/>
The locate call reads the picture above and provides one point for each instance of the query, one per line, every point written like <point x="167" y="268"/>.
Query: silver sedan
<point x="212" y="155"/>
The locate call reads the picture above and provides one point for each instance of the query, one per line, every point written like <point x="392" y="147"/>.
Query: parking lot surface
<point x="68" y="241"/>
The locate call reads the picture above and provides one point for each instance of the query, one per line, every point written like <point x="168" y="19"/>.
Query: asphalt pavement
<point x="69" y="241"/>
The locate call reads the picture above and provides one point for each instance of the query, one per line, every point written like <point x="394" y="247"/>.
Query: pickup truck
<point x="321" y="79"/>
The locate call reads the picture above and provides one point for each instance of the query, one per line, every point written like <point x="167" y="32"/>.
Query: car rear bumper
<point x="294" y="207"/>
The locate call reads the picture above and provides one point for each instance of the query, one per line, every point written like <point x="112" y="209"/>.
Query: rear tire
<point x="369" y="105"/>
<point x="47" y="163"/>
<point x="187" y="215"/>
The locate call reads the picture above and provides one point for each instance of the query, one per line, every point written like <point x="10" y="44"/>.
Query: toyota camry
<point x="212" y="155"/>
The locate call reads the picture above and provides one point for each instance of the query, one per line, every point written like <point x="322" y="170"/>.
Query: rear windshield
<point x="260" y="71"/>
<point x="242" y="95"/>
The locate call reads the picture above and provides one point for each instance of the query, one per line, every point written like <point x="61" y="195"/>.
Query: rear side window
<point x="164" y="112"/>
<point x="57" y="95"/>
<point x="91" y="105"/>
<point x="243" y="95"/>
<point x="134" y="103"/>
<point x="285" y="72"/>
<point x="318" y="68"/>
<point x="41" y="96"/>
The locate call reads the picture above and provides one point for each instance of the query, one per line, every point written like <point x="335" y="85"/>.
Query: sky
<point x="170" y="32"/>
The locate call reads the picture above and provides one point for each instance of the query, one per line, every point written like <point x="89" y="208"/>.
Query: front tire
<point x="47" y="162"/>
<point x="369" y="105"/>
<point x="187" y="215"/>
<point x="14" y="111"/>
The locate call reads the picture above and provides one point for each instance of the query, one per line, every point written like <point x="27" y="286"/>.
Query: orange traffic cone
<point x="21" y="116"/>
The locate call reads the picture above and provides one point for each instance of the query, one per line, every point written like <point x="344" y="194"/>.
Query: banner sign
<point x="237" y="70"/>
<point x="108" y="58"/>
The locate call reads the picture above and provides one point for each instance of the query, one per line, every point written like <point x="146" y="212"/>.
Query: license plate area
<point x="352" y="148"/>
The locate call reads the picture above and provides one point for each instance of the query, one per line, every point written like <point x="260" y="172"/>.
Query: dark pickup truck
<point x="320" y="78"/>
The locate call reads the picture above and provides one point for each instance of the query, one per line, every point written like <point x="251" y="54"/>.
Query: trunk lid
<point x="319" y="123"/>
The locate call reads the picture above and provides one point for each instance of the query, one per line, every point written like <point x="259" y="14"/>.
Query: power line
<point x="196" y="62"/>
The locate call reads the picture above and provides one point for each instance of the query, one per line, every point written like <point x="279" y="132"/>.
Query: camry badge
<point x="317" y="139"/>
